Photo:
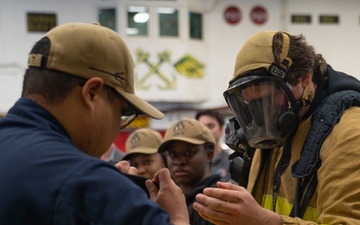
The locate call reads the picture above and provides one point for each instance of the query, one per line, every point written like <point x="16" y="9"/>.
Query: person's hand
<point x="169" y="197"/>
<point x="233" y="205"/>
<point x="124" y="167"/>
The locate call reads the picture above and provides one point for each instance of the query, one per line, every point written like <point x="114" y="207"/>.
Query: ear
<point x="92" y="90"/>
<point x="306" y="79"/>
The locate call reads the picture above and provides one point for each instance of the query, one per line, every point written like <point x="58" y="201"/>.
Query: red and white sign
<point x="259" y="15"/>
<point x="232" y="15"/>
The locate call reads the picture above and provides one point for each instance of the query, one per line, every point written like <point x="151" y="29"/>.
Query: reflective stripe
<point x="284" y="208"/>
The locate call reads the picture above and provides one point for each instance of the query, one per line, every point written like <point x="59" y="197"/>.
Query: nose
<point x="180" y="160"/>
<point x="141" y="170"/>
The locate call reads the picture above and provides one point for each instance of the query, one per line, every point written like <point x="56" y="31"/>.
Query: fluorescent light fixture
<point x="137" y="9"/>
<point x="141" y="17"/>
<point x="164" y="10"/>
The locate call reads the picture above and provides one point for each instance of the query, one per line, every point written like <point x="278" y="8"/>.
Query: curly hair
<point x="303" y="56"/>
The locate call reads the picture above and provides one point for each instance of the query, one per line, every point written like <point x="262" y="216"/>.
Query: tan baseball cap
<point x="188" y="130"/>
<point x="91" y="50"/>
<point x="143" y="140"/>
<point x="257" y="52"/>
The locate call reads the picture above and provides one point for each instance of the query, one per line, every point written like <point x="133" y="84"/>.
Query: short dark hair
<point x="52" y="85"/>
<point x="212" y="113"/>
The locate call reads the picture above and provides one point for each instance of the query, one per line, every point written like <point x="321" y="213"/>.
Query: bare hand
<point x="124" y="167"/>
<point x="231" y="204"/>
<point x="169" y="197"/>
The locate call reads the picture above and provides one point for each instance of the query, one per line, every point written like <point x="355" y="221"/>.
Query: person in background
<point x="189" y="148"/>
<point x="78" y="92"/>
<point x="142" y="152"/>
<point x="302" y="117"/>
<point x="215" y="122"/>
<point x="113" y="155"/>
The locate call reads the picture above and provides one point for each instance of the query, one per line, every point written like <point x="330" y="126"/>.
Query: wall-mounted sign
<point x="175" y="78"/>
<point x="232" y="15"/>
<point x="40" y="22"/>
<point x="259" y="15"/>
<point x="329" y="19"/>
<point x="306" y="19"/>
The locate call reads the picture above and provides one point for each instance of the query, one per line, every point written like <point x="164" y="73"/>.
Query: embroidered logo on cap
<point x="135" y="141"/>
<point x="116" y="75"/>
<point x="179" y="128"/>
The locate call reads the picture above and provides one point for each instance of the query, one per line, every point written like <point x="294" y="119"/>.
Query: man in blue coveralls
<point x="77" y="94"/>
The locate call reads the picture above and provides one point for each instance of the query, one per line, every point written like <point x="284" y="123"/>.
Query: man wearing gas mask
<point x="300" y="119"/>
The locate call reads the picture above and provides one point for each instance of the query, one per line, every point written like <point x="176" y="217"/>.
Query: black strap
<point x="308" y="188"/>
<point x="248" y="156"/>
<point x="281" y="167"/>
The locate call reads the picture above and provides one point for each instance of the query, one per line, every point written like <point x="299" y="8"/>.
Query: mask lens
<point x="259" y="105"/>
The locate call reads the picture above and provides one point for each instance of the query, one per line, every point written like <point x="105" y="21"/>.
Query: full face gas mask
<point x="264" y="108"/>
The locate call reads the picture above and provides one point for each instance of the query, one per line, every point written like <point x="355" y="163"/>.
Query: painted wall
<point x="16" y="42"/>
<point x="338" y="43"/>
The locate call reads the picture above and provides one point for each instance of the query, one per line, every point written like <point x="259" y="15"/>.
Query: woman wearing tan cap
<point x="189" y="147"/>
<point x="141" y="151"/>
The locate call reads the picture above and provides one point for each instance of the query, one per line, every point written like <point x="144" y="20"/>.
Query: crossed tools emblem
<point x="187" y="66"/>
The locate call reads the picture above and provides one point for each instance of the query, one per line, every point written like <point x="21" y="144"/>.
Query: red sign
<point x="259" y="15"/>
<point x="232" y="15"/>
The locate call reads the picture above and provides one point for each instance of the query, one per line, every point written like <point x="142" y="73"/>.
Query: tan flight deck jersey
<point x="337" y="196"/>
